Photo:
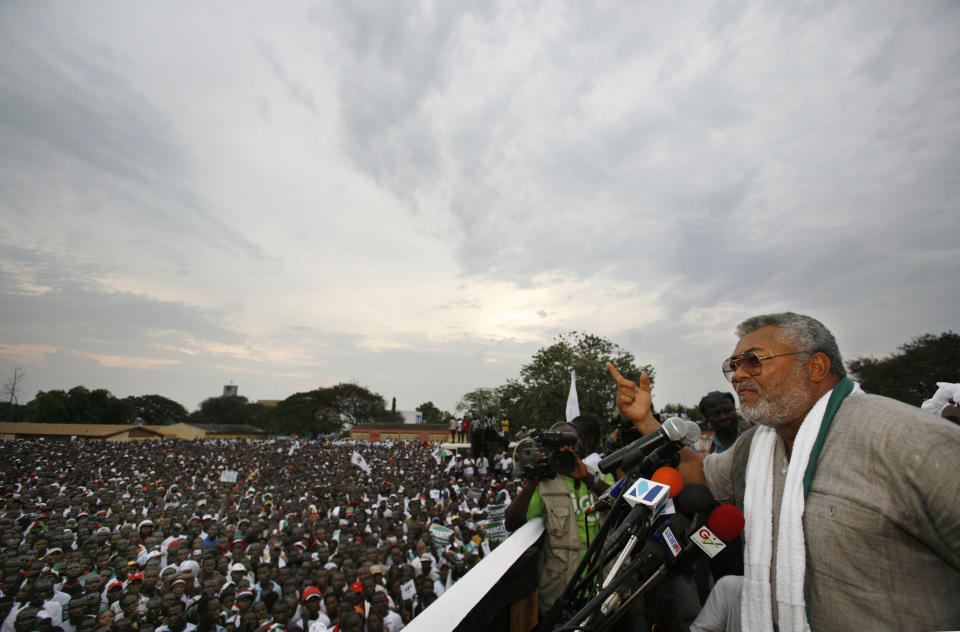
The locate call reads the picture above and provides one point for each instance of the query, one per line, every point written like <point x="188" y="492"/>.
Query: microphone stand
<point x="586" y="589"/>
<point x="586" y="578"/>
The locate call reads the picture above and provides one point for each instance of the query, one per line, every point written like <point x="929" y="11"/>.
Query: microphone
<point x="673" y="430"/>
<point x="607" y="498"/>
<point x="659" y="552"/>
<point x="723" y="525"/>
<point x="668" y="549"/>
<point x="646" y="498"/>
<point x="694" y="499"/>
<point x="670" y="535"/>
<point x="670" y="477"/>
<point x="645" y="563"/>
<point x="726" y="522"/>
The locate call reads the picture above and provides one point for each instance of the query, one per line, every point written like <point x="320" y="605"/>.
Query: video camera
<point x="551" y="443"/>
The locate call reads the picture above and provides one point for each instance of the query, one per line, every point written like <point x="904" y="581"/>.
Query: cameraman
<point x="562" y="501"/>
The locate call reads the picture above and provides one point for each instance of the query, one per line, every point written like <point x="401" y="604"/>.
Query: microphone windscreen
<point x="695" y="498"/>
<point x="679" y="523"/>
<point x="726" y="522"/>
<point x="671" y="477"/>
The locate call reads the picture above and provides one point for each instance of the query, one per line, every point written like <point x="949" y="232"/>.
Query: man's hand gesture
<point x="633" y="401"/>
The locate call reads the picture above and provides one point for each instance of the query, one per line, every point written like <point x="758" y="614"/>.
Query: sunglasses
<point x="751" y="363"/>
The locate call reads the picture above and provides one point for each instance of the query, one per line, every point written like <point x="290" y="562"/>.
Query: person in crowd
<point x="849" y="498"/>
<point x="591" y="435"/>
<point x="720" y="415"/>
<point x="563" y="501"/>
<point x="149" y="529"/>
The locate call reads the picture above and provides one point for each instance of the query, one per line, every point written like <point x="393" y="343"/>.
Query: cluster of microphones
<point x="657" y="526"/>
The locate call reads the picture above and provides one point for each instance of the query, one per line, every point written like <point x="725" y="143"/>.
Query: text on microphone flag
<point x="707" y="541"/>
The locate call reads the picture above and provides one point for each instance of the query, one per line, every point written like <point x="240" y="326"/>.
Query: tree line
<point x="320" y="411"/>
<point x="536" y="398"/>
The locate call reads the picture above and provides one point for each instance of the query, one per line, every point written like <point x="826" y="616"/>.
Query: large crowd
<point x="237" y="536"/>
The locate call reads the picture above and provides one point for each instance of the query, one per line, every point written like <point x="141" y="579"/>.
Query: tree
<point x="157" y="410"/>
<point x="49" y="407"/>
<point x="546" y="378"/>
<point x="539" y="396"/>
<point x="432" y="414"/>
<point x="356" y="405"/>
<point x="479" y="402"/>
<point x="911" y="374"/>
<point x="226" y="409"/>
<point x="13" y="385"/>
<point x="510" y="402"/>
<point x="11" y="408"/>
<point x="309" y="413"/>
<point x="79" y="405"/>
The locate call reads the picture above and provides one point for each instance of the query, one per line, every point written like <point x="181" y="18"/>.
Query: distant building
<point x="231" y="431"/>
<point x="230" y="390"/>
<point x="437" y="433"/>
<point x="127" y="432"/>
<point x="411" y="416"/>
<point x="99" y="432"/>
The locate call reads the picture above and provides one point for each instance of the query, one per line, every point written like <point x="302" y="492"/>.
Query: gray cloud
<point x="72" y="124"/>
<point x="725" y="158"/>
<point x="73" y="310"/>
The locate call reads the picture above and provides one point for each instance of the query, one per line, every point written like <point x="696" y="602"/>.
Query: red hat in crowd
<point x="311" y="591"/>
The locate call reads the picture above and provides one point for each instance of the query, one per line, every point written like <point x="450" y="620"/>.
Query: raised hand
<point x="633" y="400"/>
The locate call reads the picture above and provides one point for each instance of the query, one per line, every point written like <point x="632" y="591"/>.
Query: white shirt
<point x="392" y="622"/>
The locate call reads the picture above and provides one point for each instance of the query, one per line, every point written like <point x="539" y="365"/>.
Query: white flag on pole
<point x="573" y="404"/>
<point x="359" y="461"/>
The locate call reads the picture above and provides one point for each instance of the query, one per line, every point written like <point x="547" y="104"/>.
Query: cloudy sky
<point x="416" y="196"/>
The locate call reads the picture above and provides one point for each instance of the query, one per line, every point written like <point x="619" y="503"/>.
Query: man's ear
<point x="818" y="366"/>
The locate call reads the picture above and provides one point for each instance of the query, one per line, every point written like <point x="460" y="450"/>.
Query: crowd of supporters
<point x="237" y="536"/>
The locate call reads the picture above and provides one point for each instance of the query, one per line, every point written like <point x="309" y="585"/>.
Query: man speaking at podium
<point x="562" y="501"/>
<point x="852" y="517"/>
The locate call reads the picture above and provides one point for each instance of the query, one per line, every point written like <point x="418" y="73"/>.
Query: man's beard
<point x="779" y="406"/>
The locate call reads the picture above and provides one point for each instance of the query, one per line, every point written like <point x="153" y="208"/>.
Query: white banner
<point x="359" y="461"/>
<point x="573" y="403"/>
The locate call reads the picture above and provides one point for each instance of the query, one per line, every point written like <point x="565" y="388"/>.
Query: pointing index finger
<point x="619" y="379"/>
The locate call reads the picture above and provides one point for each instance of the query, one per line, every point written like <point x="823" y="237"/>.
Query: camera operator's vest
<point x="560" y="552"/>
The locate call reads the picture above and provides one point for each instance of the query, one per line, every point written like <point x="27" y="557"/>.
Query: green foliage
<point x="356" y="405"/>
<point x="228" y="409"/>
<point x="911" y="374"/>
<point x="326" y="410"/>
<point x="478" y="403"/>
<point x="546" y="379"/>
<point x="305" y="413"/>
<point x="319" y="411"/>
<point x="79" y="405"/>
<point x="157" y="410"/>
<point x="539" y="396"/>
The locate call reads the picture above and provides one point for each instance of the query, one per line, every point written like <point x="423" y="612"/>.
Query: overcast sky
<point x="416" y="196"/>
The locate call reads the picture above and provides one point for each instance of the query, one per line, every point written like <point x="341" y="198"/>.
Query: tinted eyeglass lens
<point x="750" y="361"/>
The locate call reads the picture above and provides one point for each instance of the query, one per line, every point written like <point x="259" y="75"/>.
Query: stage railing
<point x="453" y="605"/>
